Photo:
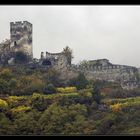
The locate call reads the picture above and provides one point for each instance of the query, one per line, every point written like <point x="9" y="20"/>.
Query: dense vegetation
<point x="34" y="102"/>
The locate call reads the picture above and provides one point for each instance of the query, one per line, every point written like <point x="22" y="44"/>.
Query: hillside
<point x="34" y="102"/>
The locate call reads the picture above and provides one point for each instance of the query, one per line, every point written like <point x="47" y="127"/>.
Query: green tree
<point x="96" y="94"/>
<point x="51" y="77"/>
<point x="80" y="82"/>
<point x="49" y="89"/>
<point x="63" y="120"/>
<point x="27" y="123"/>
<point x="6" y="74"/>
<point x="13" y="86"/>
<point x="21" y="57"/>
<point x="68" y="53"/>
<point x="6" y="126"/>
<point x="3" y="105"/>
<point x="4" y="87"/>
<point x="38" y="102"/>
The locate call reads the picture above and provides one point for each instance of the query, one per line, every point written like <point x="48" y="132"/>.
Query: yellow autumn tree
<point x="116" y="107"/>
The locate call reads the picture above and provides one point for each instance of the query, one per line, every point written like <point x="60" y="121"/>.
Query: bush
<point x="6" y="74"/>
<point x="20" y="109"/>
<point x="117" y="93"/>
<point x="121" y="93"/>
<point x="15" y="101"/>
<point x="116" y="107"/>
<point x="21" y="57"/>
<point x="36" y="85"/>
<point x="29" y="84"/>
<point x="3" y="105"/>
<point x="4" y="87"/>
<point x="96" y="94"/>
<point x="63" y="120"/>
<point x="49" y="89"/>
<point x="38" y="102"/>
<point x="80" y="82"/>
<point x="67" y="90"/>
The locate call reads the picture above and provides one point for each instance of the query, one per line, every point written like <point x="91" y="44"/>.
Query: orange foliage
<point x="116" y="107"/>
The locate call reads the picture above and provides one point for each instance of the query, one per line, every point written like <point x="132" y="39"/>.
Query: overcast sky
<point x="92" y="32"/>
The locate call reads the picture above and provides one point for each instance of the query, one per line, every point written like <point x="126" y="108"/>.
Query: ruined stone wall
<point x="57" y="60"/>
<point x="21" y="37"/>
<point x="127" y="76"/>
<point x="5" y="52"/>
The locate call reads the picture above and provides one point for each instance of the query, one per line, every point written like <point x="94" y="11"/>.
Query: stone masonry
<point x="20" y="40"/>
<point x="101" y="69"/>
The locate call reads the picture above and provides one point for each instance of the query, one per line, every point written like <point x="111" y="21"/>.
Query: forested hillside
<point x="35" y="102"/>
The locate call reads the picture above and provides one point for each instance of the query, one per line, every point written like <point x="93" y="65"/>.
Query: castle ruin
<point x="20" y="41"/>
<point x="59" y="61"/>
<point x="21" y="37"/>
<point x="101" y="69"/>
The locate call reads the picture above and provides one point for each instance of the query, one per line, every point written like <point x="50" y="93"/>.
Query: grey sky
<point x="93" y="32"/>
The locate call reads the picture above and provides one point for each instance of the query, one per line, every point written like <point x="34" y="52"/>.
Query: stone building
<point x="58" y="61"/>
<point x="21" y="37"/>
<point x="102" y="69"/>
<point x="20" y="40"/>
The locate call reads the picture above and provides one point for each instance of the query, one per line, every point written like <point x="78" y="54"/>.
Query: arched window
<point x="46" y="62"/>
<point x="15" y="43"/>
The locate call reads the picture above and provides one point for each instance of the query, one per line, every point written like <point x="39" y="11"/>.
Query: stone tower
<point x="21" y="37"/>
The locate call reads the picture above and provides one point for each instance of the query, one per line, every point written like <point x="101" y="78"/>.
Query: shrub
<point x="36" y="85"/>
<point x="96" y="94"/>
<point x="20" y="57"/>
<point x="80" y="82"/>
<point x="13" y="83"/>
<point x="117" y="93"/>
<point x="116" y="107"/>
<point x="29" y="84"/>
<point x="49" y="89"/>
<point x="20" y="109"/>
<point x="94" y="105"/>
<point x="3" y="105"/>
<point x="38" y="102"/>
<point x="4" y="87"/>
<point x="63" y="120"/>
<point x="14" y="101"/>
<point x="6" y="74"/>
<point x="67" y="90"/>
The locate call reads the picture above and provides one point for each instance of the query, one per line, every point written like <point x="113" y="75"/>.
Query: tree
<point x="27" y="123"/>
<point x="68" y="52"/>
<point x="4" y="87"/>
<point x="80" y="82"/>
<point x="3" y="105"/>
<point x="38" y="102"/>
<point x="12" y="86"/>
<point x="21" y="57"/>
<point x="30" y="84"/>
<point x="51" y="77"/>
<point x="6" y="74"/>
<point x="63" y="120"/>
<point x="84" y="63"/>
<point x="49" y="89"/>
<point x="96" y="94"/>
<point x="6" y="127"/>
